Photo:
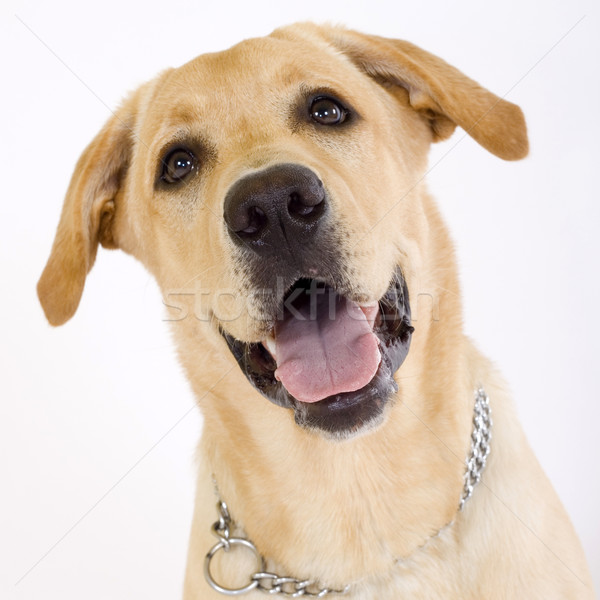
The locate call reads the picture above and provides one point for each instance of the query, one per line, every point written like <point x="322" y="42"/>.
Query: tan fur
<point x="362" y="510"/>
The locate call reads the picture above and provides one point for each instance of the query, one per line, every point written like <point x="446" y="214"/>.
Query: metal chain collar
<point x="290" y="587"/>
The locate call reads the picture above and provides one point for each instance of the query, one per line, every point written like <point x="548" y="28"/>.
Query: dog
<point x="355" y="442"/>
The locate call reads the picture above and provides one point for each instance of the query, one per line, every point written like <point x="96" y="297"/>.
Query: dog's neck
<point x="388" y="490"/>
<point x="228" y="531"/>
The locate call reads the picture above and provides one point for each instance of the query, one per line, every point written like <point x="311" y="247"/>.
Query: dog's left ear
<point x="439" y="92"/>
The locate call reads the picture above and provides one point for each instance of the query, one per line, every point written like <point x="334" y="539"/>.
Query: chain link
<point x="290" y="587"/>
<point x="480" y="444"/>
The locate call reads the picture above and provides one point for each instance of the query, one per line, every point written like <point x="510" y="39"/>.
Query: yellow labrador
<point x="276" y="193"/>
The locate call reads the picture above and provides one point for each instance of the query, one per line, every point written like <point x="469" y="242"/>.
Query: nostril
<point x="297" y="207"/>
<point x="305" y="206"/>
<point x="256" y="222"/>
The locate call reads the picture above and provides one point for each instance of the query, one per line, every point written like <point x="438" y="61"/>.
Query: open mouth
<point x="330" y="359"/>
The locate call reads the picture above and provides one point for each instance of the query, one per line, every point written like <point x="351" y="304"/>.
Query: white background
<point x="97" y="423"/>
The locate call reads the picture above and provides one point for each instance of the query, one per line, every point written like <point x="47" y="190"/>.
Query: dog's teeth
<point x="271" y="346"/>
<point x="370" y="311"/>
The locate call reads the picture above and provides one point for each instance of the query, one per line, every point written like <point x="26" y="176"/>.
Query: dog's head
<point x="275" y="192"/>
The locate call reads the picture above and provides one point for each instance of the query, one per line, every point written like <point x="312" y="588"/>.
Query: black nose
<point x="278" y="207"/>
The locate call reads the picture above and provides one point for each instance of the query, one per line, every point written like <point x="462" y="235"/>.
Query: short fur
<point x="361" y="510"/>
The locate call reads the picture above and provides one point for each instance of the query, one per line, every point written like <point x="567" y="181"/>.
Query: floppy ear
<point x="439" y="92"/>
<point x="87" y="214"/>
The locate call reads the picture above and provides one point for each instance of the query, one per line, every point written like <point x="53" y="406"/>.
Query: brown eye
<point x="178" y="165"/>
<point x="327" y="111"/>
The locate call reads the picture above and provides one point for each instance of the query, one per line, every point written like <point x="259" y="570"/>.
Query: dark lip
<point x="344" y="414"/>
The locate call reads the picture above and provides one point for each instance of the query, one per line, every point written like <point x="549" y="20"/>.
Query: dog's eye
<point x="178" y="165"/>
<point x="327" y="111"/>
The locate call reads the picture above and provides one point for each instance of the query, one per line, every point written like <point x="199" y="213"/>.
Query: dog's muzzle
<point x="325" y="355"/>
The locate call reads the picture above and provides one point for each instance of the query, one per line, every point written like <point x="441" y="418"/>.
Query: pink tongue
<point x="335" y="351"/>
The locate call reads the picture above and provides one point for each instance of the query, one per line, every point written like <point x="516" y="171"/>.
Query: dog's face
<point x="275" y="192"/>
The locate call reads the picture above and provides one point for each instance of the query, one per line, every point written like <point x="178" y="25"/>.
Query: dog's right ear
<point x="88" y="213"/>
